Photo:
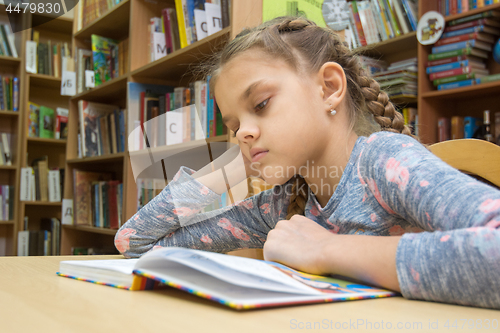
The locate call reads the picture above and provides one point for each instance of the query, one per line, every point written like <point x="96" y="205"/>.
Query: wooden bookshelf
<point x="11" y="122"/>
<point x="394" y="49"/>
<point x="465" y="101"/>
<point x="113" y="24"/>
<point x="43" y="90"/>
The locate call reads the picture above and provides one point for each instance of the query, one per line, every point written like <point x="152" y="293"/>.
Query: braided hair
<point x="306" y="47"/>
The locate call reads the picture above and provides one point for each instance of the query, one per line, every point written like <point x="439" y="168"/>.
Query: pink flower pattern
<point x="334" y="228"/>
<point x="314" y="211"/>
<point x="374" y="188"/>
<point x="182" y="211"/>
<point x="396" y="173"/>
<point x="489" y="206"/>
<point x="424" y="183"/>
<point x="204" y="191"/>
<point x="122" y="240"/>
<point x="237" y="232"/>
<point x="444" y="238"/>
<point x="266" y="208"/>
<point x="206" y="239"/>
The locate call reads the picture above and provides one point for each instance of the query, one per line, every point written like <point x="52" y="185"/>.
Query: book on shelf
<point x="43" y="242"/>
<point x="473" y="43"/>
<point x="82" y="194"/>
<point x="471" y="124"/>
<point x="444" y="129"/>
<point x="457" y="127"/>
<point x="105" y="59"/>
<point x="6" y="202"/>
<point x="61" y="129"/>
<point x="237" y="282"/>
<point x="106" y="207"/>
<point x="7" y="41"/>
<point x="455" y="53"/>
<point x="5" y="148"/>
<point x="456" y="65"/>
<point x="95" y="128"/>
<point x="451" y="7"/>
<point x="399" y="80"/>
<point x="457" y="71"/>
<point x="9" y="93"/>
<point x="471" y="30"/>
<point x="84" y="61"/>
<point x="456" y="78"/>
<point x="46" y="123"/>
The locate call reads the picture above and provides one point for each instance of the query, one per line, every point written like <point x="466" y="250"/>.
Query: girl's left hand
<point x="301" y="244"/>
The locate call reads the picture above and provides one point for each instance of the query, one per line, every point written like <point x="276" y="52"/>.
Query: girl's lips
<point x="258" y="156"/>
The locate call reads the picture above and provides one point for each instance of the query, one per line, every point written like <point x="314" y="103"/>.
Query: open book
<point x="237" y="282"/>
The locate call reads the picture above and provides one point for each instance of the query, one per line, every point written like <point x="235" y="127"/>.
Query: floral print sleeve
<point x="457" y="258"/>
<point x="242" y="225"/>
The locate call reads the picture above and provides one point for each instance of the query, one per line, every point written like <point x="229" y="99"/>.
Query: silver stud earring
<point x="333" y="112"/>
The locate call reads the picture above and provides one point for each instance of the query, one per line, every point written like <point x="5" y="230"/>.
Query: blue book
<point x="470" y="126"/>
<point x="458" y="84"/>
<point x="210" y="109"/>
<point x="447" y="67"/>
<point x="447" y="7"/>
<point x="474" y="4"/>
<point x="409" y="13"/>
<point x="454" y="46"/>
<point x="488" y="2"/>
<point x="471" y="30"/>
<point x="459" y="7"/>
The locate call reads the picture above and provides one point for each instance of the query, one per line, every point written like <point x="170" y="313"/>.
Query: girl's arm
<point x="457" y="259"/>
<point x="173" y="218"/>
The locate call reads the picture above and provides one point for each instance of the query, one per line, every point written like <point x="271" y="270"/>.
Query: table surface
<point x="34" y="299"/>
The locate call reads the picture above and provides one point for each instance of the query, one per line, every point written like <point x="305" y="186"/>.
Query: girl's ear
<point x="334" y="84"/>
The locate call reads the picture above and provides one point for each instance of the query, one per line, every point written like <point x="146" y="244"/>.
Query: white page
<point x="125" y="266"/>
<point x="241" y="271"/>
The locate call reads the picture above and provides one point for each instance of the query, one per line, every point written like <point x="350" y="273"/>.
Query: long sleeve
<point x="457" y="258"/>
<point x="242" y="225"/>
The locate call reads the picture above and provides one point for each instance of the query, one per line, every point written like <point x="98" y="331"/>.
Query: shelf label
<point x="68" y="83"/>
<point x="67" y="211"/>
<point x="89" y="79"/>
<point x="31" y="57"/>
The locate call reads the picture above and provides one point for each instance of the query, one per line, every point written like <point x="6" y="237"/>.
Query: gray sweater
<point x="392" y="185"/>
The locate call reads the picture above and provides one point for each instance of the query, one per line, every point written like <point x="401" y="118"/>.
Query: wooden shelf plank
<point x="52" y="23"/>
<point x="47" y="141"/>
<point x="46" y="81"/>
<point x="475" y="91"/>
<point x="41" y="203"/>
<point x="9" y="113"/>
<point x="8" y="167"/>
<point x="96" y="230"/>
<point x="8" y="222"/>
<point x="397" y="44"/>
<point x="6" y="61"/>
<point x="113" y="24"/>
<point x="102" y="158"/>
<point x="177" y="63"/>
<point x="107" y="92"/>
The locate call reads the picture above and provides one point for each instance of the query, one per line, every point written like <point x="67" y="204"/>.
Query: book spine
<point x="488" y="78"/>
<point x="454" y="85"/>
<point x="471" y="30"/>
<point x="454" y="46"/>
<point x="455" y="78"/>
<point x="357" y="21"/>
<point x="464" y="25"/>
<point x="470" y="18"/>
<point x="454" y="53"/>
<point x="445" y="61"/>
<point x="444" y="129"/>
<point x="180" y="23"/>
<point x="455" y="39"/>
<point x="15" y="94"/>
<point x="394" y="22"/>
<point x="446" y="67"/>
<point x="453" y="72"/>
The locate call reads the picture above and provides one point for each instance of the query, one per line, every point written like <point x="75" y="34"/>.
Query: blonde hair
<point x="306" y="46"/>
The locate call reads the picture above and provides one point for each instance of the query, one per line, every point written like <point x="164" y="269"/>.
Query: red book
<point x="453" y="7"/>
<point x="462" y="38"/>
<point x="113" y="204"/>
<point x="168" y="33"/>
<point x="444" y="127"/>
<point x="452" y="72"/>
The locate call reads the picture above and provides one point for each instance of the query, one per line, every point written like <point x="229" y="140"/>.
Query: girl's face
<point x="272" y="107"/>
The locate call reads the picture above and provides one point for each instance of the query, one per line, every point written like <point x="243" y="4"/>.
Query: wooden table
<point x="34" y="299"/>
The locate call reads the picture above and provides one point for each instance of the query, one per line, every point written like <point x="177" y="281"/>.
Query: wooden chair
<point x="472" y="156"/>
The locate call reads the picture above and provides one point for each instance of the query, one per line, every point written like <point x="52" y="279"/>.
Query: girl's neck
<point x="325" y="173"/>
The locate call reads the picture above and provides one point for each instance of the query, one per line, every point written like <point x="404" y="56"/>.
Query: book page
<point x="125" y="266"/>
<point x="250" y="273"/>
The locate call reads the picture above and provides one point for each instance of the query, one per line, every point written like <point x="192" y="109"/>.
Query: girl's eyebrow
<point x="250" y="89"/>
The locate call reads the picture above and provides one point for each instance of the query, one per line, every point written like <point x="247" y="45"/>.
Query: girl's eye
<point x="262" y="105"/>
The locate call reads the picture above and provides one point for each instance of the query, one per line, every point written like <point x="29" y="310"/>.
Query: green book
<point x="488" y="78"/>
<point x="46" y="123"/>
<point x="455" y="53"/>
<point x="104" y="56"/>
<point x="455" y="78"/>
<point x="489" y="13"/>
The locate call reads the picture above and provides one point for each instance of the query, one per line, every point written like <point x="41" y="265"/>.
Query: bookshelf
<point x="466" y="101"/>
<point x="43" y="90"/>
<point x="11" y="123"/>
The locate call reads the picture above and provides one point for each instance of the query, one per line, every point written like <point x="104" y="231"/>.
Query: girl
<point x="346" y="170"/>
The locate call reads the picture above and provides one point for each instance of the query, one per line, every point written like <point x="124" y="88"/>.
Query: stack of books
<point x="400" y="79"/>
<point x="5" y="150"/>
<point x="379" y="20"/>
<point x="6" y="202"/>
<point x="44" y="122"/>
<point x="457" y="59"/>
